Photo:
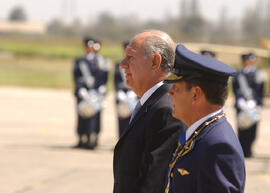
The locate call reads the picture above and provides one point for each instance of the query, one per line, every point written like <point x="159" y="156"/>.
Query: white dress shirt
<point x="148" y="93"/>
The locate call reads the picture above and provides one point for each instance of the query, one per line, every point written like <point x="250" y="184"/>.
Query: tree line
<point x="189" y="25"/>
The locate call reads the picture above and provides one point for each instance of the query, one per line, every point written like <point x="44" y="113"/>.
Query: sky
<point x="85" y="10"/>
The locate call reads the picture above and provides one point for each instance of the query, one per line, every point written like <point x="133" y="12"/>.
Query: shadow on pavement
<point x="64" y="147"/>
<point x="100" y="148"/>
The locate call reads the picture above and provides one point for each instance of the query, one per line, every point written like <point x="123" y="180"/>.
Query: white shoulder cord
<point x="87" y="76"/>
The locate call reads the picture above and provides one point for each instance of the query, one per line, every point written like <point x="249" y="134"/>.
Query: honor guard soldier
<point x="90" y="76"/>
<point x="248" y="88"/>
<point x="209" y="158"/>
<point x="126" y="99"/>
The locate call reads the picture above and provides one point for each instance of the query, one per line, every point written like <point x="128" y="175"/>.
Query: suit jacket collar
<point x="150" y="91"/>
<point x="151" y="100"/>
<point x="144" y="109"/>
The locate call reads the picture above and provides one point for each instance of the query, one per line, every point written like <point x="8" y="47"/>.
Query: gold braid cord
<point x="187" y="148"/>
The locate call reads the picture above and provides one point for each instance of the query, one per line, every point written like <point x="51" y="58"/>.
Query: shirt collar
<point x="148" y="93"/>
<point x="195" y="125"/>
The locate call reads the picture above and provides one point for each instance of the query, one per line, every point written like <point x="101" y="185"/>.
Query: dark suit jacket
<point x="214" y="165"/>
<point x="144" y="150"/>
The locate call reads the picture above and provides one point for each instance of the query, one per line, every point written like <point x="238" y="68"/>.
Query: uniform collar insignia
<point x="183" y="172"/>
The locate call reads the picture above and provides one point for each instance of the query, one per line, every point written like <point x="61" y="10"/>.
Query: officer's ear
<point x="156" y="61"/>
<point x="196" y="94"/>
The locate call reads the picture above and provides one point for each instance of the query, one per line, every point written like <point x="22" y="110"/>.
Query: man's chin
<point x="175" y="115"/>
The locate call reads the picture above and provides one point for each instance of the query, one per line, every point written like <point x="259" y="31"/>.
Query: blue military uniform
<point x="209" y="157"/>
<point x="90" y="73"/>
<point x="248" y="88"/>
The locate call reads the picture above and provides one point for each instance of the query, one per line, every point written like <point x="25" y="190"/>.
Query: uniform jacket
<point x="99" y="74"/>
<point x="215" y="163"/>
<point x="253" y="82"/>
<point x="143" y="151"/>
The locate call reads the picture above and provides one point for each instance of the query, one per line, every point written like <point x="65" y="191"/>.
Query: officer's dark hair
<point x="156" y="45"/>
<point x="215" y="92"/>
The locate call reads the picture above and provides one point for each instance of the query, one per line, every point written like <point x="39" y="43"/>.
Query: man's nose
<point x="124" y="64"/>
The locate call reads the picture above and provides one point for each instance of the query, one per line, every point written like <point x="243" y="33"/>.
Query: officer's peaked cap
<point x="189" y="65"/>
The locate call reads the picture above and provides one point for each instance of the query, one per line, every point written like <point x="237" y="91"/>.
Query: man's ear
<point x="196" y="94"/>
<point x="156" y="61"/>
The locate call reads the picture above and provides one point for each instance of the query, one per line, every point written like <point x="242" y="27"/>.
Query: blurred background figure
<point x="126" y="99"/>
<point x="208" y="53"/>
<point x="248" y="88"/>
<point x="90" y="77"/>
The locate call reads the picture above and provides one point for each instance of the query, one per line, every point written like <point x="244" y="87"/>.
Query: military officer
<point x="90" y="74"/>
<point x="248" y="87"/>
<point x="209" y="157"/>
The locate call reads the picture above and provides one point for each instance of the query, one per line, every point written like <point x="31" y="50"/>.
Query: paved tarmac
<point x="37" y="132"/>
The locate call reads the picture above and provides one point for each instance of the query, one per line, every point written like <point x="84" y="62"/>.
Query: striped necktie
<point x="137" y="108"/>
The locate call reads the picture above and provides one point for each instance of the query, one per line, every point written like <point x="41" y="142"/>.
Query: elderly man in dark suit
<point x="209" y="158"/>
<point x="142" y="154"/>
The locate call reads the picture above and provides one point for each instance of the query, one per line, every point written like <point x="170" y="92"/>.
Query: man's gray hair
<point x="157" y="45"/>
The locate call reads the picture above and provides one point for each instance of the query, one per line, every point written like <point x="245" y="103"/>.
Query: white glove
<point x="251" y="104"/>
<point x="121" y="95"/>
<point x="83" y="93"/>
<point x="102" y="89"/>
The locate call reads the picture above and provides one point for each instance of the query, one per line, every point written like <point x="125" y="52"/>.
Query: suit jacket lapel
<point x="144" y="109"/>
